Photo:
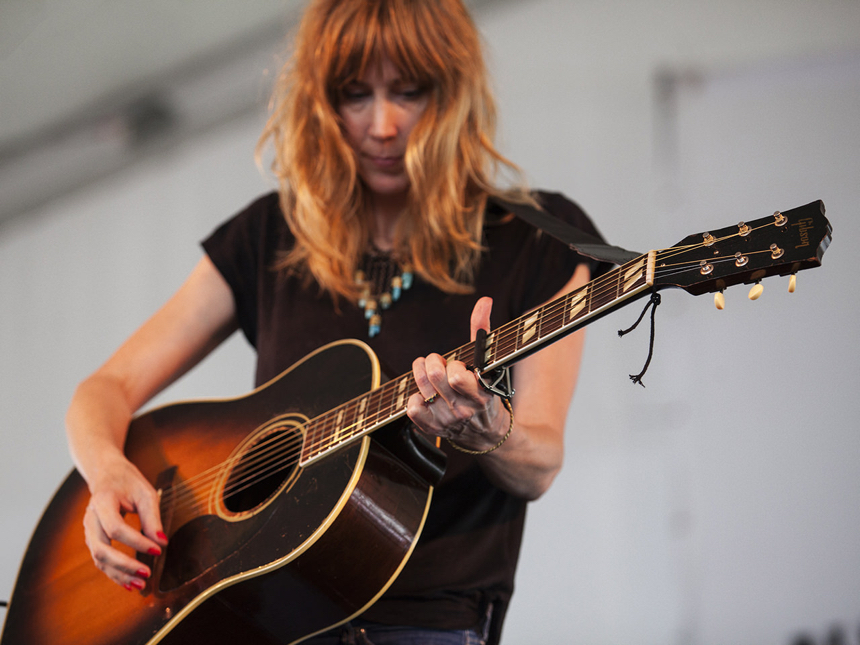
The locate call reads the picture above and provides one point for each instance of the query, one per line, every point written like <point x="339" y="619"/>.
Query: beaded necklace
<point x="382" y="280"/>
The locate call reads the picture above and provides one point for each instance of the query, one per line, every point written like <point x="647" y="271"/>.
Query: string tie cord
<point x="654" y="302"/>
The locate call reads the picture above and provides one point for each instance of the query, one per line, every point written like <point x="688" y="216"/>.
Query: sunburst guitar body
<point x="258" y="545"/>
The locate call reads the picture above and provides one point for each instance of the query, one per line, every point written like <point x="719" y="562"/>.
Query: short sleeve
<point x="237" y="249"/>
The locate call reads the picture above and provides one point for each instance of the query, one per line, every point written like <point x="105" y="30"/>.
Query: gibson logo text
<point x="804" y="226"/>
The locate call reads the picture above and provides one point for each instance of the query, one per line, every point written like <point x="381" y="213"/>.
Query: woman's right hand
<point x="192" y="323"/>
<point x="118" y="489"/>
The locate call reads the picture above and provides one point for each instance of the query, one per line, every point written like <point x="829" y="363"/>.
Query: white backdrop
<point x="719" y="505"/>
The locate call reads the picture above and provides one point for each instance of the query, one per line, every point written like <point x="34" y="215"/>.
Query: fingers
<point x="451" y="381"/>
<point x="150" y="518"/>
<point x="117" y="529"/>
<point x="481" y="316"/>
<point x="106" y="530"/>
<point x="449" y="397"/>
<point x="450" y="401"/>
<point x="100" y="531"/>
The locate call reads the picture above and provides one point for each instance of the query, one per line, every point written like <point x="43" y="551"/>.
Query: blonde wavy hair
<point x="450" y="158"/>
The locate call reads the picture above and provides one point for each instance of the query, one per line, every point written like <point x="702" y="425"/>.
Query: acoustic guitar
<point x="292" y="509"/>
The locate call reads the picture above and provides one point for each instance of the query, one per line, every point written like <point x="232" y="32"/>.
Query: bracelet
<point x="507" y="404"/>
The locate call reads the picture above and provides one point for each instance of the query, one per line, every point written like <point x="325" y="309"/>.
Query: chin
<point x="388" y="187"/>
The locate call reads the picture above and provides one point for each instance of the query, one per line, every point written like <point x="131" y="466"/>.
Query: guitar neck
<point x="509" y="343"/>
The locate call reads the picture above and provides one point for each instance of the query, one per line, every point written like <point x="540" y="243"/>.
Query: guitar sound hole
<point x="262" y="469"/>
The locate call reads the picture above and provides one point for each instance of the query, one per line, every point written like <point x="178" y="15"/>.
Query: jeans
<point x="361" y="632"/>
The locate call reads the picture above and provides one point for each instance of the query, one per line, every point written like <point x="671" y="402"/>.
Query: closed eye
<point x="410" y="91"/>
<point x="353" y="92"/>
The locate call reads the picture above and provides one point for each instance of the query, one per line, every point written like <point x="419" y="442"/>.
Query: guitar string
<point x="385" y="399"/>
<point x="266" y="460"/>
<point x="673" y="251"/>
<point x="178" y="495"/>
<point x="272" y="461"/>
<point x="269" y="461"/>
<point x="674" y="269"/>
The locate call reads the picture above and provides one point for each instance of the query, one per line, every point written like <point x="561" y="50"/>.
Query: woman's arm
<point x="528" y="461"/>
<point x="193" y="322"/>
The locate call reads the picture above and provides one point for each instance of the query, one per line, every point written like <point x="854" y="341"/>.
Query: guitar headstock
<point x="781" y="244"/>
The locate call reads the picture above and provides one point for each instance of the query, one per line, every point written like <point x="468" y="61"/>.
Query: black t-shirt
<point x="466" y="556"/>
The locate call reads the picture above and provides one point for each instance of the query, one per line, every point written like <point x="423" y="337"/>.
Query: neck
<point x="385" y="211"/>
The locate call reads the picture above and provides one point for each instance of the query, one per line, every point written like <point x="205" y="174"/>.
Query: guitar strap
<point x="577" y="239"/>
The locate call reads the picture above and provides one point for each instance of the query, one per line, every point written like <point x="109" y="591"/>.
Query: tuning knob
<point x="756" y="291"/>
<point x="792" y="283"/>
<point x="719" y="300"/>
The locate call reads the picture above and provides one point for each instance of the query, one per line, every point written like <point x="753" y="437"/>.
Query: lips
<point x="385" y="162"/>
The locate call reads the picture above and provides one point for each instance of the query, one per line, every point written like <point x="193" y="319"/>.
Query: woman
<point x="382" y="129"/>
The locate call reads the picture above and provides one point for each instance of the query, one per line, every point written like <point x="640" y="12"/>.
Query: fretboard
<point x="503" y="346"/>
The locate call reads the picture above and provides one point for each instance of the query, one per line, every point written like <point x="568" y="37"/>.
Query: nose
<point x="384" y="120"/>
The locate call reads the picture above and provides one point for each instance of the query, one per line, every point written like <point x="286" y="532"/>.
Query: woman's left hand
<point x="451" y="403"/>
<point x="522" y="457"/>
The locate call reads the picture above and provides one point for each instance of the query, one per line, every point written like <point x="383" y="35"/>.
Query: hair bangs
<point x="386" y="29"/>
<point x="407" y="42"/>
<point x="351" y="47"/>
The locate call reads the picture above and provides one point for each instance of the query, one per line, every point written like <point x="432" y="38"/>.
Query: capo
<point x="499" y="379"/>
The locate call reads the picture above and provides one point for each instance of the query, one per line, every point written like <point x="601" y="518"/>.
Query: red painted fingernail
<point x="143" y="573"/>
<point x="161" y="536"/>
<point x="154" y="551"/>
<point x="137" y="584"/>
<point x="127" y="586"/>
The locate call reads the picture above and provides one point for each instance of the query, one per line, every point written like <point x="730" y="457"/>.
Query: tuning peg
<point x="719" y="300"/>
<point x="756" y="291"/>
<point x="792" y="283"/>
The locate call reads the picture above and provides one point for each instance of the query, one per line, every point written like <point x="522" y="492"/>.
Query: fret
<point x="589" y="288"/>
<point x="327" y="438"/>
<point x="360" y="417"/>
<point x="351" y="420"/>
<point x="380" y="402"/>
<point x="412" y="387"/>
<point x="339" y="422"/>
<point x="374" y="399"/>
<point x="576" y="303"/>
<point x="543" y="313"/>
<point x="400" y="397"/>
<point x="518" y="333"/>
<point x="608" y="294"/>
<point x="633" y="274"/>
<point x="315" y="435"/>
<point x="395" y="399"/>
<point x="490" y="348"/>
<point x="387" y="399"/>
<point x="529" y="329"/>
<point x="312" y="433"/>
<point x="507" y="339"/>
<point x="552" y="317"/>
<point x="464" y="354"/>
<point x="325" y="429"/>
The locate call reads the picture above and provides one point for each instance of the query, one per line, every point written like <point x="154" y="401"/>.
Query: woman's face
<point x="378" y="112"/>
